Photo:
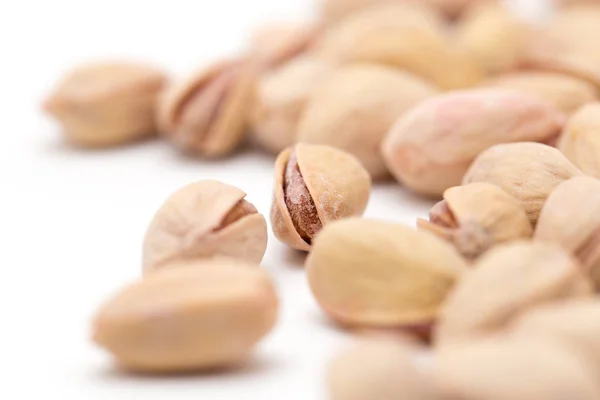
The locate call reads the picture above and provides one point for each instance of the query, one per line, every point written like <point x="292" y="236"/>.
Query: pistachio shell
<point x="206" y="113"/>
<point x="476" y="217"/>
<point x="580" y="141"/>
<point x="370" y="273"/>
<point x="527" y="171"/>
<point x="331" y="181"/>
<point x="356" y="106"/>
<point x="280" y="98"/>
<point x="505" y="282"/>
<point x="197" y="222"/>
<point x="276" y="43"/>
<point x="570" y="218"/>
<point x="106" y="104"/>
<point x="188" y="316"/>
<point x="431" y="146"/>
<point x="564" y="92"/>
<point x="524" y="369"/>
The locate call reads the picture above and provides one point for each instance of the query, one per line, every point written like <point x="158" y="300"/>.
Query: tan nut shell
<point x="527" y="171"/>
<point x="479" y="215"/>
<point x="188" y="225"/>
<point x="524" y="369"/>
<point x="505" y="282"/>
<point x="371" y="273"/>
<point x="337" y="182"/>
<point x="189" y="316"/>
<point x="356" y="106"/>
<point x="379" y="369"/>
<point x="564" y="92"/>
<point x="432" y="145"/>
<point x="571" y="218"/>
<point x="106" y="104"/>
<point x="276" y="43"/>
<point x="280" y="98"/>
<point x="209" y="122"/>
<point x="580" y="141"/>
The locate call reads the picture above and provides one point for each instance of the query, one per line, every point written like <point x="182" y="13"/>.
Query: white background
<point x="72" y="221"/>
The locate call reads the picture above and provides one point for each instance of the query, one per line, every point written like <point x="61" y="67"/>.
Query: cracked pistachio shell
<point x="495" y="35"/>
<point x="280" y="98"/>
<point x="315" y="185"/>
<point x="379" y="369"/>
<point x="191" y="316"/>
<point x="527" y="171"/>
<point x="106" y="104"/>
<point x="356" y="106"/>
<point x="206" y="114"/>
<point x="571" y="219"/>
<point x="431" y="146"/>
<point x="580" y="141"/>
<point x="476" y="217"/>
<point x="202" y="220"/>
<point x="412" y="44"/>
<point x="566" y="93"/>
<point x="505" y="282"/>
<point x="516" y="369"/>
<point x="276" y="43"/>
<point x="367" y="273"/>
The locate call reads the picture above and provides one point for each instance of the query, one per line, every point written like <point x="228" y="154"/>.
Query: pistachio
<point x="495" y="35"/>
<point x="280" y="98"/>
<point x="565" y="93"/>
<point x="379" y="369"/>
<point x="206" y="114"/>
<point x="570" y="219"/>
<point x="367" y="273"/>
<point x="193" y="315"/>
<point x="106" y="104"/>
<point x="476" y="217"/>
<point x="524" y="369"/>
<point x="315" y="185"/>
<point x="202" y="220"/>
<point x="579" y="141"/>
<point x="402" y="40"/>
<point x="569" y="3"/>
<point x="356" y="106"/>
<point x="274" y="44"/>
<point x="505" y="282"/>
<point x="527" y="171"/>
<point x="431" y="146"/>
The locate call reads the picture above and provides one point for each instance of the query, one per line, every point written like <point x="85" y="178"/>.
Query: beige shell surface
<point x="275" y="44"/>
<point x="432" y="145"/>
<point x="356" y="106"/>
<point x="571" y="219"/>
<point x="523" y="369"/>
<point x="527" y="171"/>
<point x="280" y="98"/>
<point x="189" y="316"/>
<point x="370" y="273"/>
<point x="580" y="141"/>
<point x="187" y="226"/>
<point x="566" y="93"/>
<point x="505" y="282"/>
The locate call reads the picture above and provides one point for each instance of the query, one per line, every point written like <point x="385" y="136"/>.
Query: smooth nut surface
<point x="566" y="93"/>
<point x="431" y="146"/>
<point x="476" y="217"/>
<point x="206" y="114"/>
<point x="580" y="141"/>
<point x="527" y="171"/>
<point x="356" y="106"/>
<point x="192" y="315"/>
<point x="315" y="185"/>
<point x="570" y="218"/>
<point x="201" y="220"/>
<point x="279" y="100"/>
<point x="505" y="282"/>
<point x="106" y="104"/>
<point x="276" y="43"/>
<point x="371" y="273"/>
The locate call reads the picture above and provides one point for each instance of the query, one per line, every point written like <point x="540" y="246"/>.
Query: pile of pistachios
<point x="492" y="296"/>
